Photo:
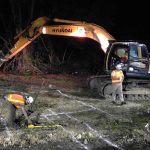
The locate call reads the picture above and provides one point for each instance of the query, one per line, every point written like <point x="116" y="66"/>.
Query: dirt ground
<point x="85" y="120"/>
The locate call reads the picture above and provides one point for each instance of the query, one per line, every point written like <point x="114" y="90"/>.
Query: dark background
<point x="123" y="19"/>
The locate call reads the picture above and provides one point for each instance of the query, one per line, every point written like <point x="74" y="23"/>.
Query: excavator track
<point x="137" y="89"/>
<point x="132" y="89"/>
<point x="98" y="84"/>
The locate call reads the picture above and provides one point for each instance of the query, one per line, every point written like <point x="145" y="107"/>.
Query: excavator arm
<point x="80" y="30"/>
<point x="67" y="28"/>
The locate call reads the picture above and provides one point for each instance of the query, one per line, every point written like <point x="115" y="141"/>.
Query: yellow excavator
<point x="68" y="28"/>
<point x="137" y="66"/>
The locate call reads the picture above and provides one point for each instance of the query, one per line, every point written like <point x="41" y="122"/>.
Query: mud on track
<point x="87" y="121"/>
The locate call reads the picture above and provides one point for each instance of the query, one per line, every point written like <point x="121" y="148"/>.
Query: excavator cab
<point x="139" y="63"/>
<point x="133" y="55"/>
<point x="118" y="54"/>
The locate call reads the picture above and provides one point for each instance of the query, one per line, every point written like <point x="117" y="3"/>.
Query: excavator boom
<point x="19" y="46"/>
<point x="91" y="31"/>
<point x="67" y="28"/>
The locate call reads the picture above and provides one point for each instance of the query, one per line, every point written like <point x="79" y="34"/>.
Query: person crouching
<point x="17" y="101"/>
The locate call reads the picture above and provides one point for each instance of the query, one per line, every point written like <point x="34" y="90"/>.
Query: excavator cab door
<point x="118" y="54"/>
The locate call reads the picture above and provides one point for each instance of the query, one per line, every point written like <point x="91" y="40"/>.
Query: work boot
<point x="122" y="103"/>
<point x="113" y="102"/>
<point x="13" y="126"/>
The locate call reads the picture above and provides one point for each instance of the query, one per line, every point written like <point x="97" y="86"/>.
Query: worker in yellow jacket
<point x="117" y="77"/>
<point x="17" y="101"/>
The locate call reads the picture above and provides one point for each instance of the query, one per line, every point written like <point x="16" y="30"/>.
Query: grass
<point x="123" y="125"/>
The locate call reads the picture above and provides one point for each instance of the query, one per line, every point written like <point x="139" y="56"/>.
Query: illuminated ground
<point x="86" y="121"/>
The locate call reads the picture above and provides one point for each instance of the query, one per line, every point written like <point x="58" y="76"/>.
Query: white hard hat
<point x="119" y="67"/>
<point x="29" y="99"/>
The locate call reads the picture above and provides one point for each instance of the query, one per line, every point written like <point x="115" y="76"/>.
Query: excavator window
<point x="138" y="56"/>
<point x="133" y="53"/>
<point x="119" y="54"/>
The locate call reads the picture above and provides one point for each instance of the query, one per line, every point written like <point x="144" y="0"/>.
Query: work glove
<point x="29" y="112"/>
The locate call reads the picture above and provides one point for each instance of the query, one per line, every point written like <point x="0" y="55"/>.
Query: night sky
<point x="122" y="19"/>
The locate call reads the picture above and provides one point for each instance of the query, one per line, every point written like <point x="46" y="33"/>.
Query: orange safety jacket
<point x="117" y="76"/>
<point x="17" y="100"/>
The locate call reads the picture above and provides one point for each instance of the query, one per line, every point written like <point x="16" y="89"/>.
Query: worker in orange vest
<point x="117" y="77"/>
<point x="17" y="101"/>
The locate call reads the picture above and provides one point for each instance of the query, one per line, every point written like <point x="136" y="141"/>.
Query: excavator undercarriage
<point x="132" y="89"/>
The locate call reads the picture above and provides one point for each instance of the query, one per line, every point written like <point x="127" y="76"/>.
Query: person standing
<point x="117" y="78"/>
<point x="17" y="101"/>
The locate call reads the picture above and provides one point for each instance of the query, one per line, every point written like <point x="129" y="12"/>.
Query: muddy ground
<point x="86" y="120"/>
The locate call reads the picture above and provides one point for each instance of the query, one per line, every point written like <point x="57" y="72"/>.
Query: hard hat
<point x="29" y="99"/>
<point x="118" y="66"/>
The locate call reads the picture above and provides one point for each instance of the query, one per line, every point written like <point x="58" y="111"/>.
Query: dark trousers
<point x="11" y="120"/>
<point x="11" y="114"/>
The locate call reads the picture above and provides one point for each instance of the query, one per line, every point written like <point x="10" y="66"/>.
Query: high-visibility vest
<point x="117" y="76"/>
<point x="17" y="100"/>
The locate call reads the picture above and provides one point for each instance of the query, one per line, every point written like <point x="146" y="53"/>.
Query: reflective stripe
<point x="18" y="105"/>
<point x="16" y="101"/>
<point x="116" y="82"/>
